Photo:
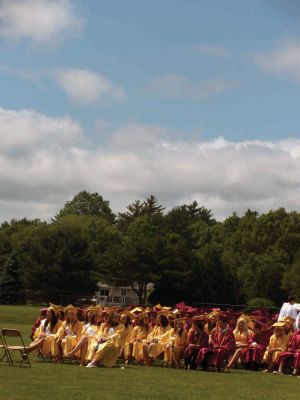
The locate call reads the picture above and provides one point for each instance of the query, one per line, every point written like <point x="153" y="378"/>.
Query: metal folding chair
<point x="16" y="348"/>
<point x="4" y="357"/>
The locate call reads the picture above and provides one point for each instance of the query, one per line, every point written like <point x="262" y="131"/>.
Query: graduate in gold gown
<point x="176" y="344"/>
<point x="45" y="334"/>
<point x="277" y="345"/>
<point x="138" y="338"/>
<point x="110" y="343"/>
<point x="88" y="333"/>
<point x="125" y="319"/>
<point x="156" y="340"/>
<point x="69" y="332"/>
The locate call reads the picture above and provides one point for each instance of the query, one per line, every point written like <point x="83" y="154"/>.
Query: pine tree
<point x="10" y="281"/>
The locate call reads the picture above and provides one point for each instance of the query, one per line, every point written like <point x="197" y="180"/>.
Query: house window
<point x="104" y="292"/>
<point x="123" y="292"/>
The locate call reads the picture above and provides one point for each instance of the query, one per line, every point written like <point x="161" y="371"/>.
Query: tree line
<point x="188" y="255"/>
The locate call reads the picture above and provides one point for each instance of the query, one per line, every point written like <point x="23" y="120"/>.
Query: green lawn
<point x="59" y="382"/>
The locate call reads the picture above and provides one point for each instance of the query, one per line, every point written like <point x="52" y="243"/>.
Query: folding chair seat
<point x="4" y="357"/>
<point x="14" y="344"/>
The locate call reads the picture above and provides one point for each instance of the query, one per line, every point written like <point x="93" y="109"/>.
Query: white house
<point x="108" y="295"/>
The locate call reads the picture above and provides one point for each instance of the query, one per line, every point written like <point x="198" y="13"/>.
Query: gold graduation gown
<point x="92" y="332"/>
<point x="69" y="333"/>
<point x="274" y="343"/>
<point x="128" y="336"/>
<point x="108" y="352"/>
<point x="138" y="338"/>
<point x="175" y="346"/>
<point x="158" y="339"/>
<point x="49" y="348"/>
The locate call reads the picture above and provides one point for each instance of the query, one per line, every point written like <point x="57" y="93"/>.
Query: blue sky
<point x="135" y="77"/>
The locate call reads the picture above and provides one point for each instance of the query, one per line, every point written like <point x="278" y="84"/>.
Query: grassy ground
<point x="59" y="382"/>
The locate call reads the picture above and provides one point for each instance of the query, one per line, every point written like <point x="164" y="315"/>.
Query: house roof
<point x="107" y="286"/>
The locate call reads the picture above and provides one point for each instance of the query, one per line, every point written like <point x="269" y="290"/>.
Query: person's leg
<point x="234" y="358"/>
<point x="83" y="351"/>
<point x="83" y="341"/>
<point x="38" y="344"/>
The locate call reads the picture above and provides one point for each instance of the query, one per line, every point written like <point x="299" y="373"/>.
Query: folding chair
<point x="4" y="357"/>
<point x="13" y="349"/>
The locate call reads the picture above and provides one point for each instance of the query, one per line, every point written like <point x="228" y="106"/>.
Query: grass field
<point x="58" y="382"/>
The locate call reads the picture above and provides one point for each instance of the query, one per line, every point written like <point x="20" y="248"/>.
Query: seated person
<point x="221" y="346"/>
<point x="46" y="333"/>
<point x="242" y="335"/>
<point x="292" y="353"/>
<point x="155" y="344"/>
<point x="69" y="332"/>
<point x="277" y="345"/>
<point x="176" y="344"/>
<point x="87" y="336"/>
<point x="257" y="345"/>
<point x="138" y="338"/>
<point x="197" y="339"/>
<point x="110" y="343"/>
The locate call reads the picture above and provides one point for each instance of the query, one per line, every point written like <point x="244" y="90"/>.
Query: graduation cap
<point x="280" y="325"/>
<point x="199" y="318"/>
<point x="71" y="308"/>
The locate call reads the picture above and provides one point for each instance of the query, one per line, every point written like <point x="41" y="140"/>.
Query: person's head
<point x="222" y="322"/>
<point x="51" y="318"/>
<point x="113" y="319"/>
<point x="51" y="315"/>
<point x="146" y="319"/>
<point x="90" y="317"/>
<point x="279" y="331"/>
<point x="163" y="321"/>
<point x="141" y="321"/>
<point x="179" y="326"/>
<point x="292" y="299"/>
<point x="257" y="328"/>
<point x="198" y="324"/>
<point x="70" y="317"/>
<point x="241" y="325"/>
<point x="125" y="320"/>
<point x="43" y="312"/>
<point x="105" y="316"/>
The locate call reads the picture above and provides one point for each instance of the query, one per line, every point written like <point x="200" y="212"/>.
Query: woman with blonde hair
<point x="69" y="332"/>
<point x="88" y="333"/>
<point x="242" y="335"/>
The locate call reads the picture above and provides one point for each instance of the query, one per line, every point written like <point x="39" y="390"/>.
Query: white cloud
<point x="178" y="86"/>
<point x="45" y="161"/>
<point x="27" y="131"/>
<point x="211" y="50"/>
<point x="285" y="60"/>
<point x="40" y="21"/>
<point x="87" y="87"/>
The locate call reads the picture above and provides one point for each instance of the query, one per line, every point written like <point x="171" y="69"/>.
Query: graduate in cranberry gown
<point x="221" y="346"/>
<point x="292" y="353"/>
<point x="197" y="339"/>
<point x="257" y="345"/>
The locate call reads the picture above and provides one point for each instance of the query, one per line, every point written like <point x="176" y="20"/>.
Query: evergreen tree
<point x="10" y="282"/>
